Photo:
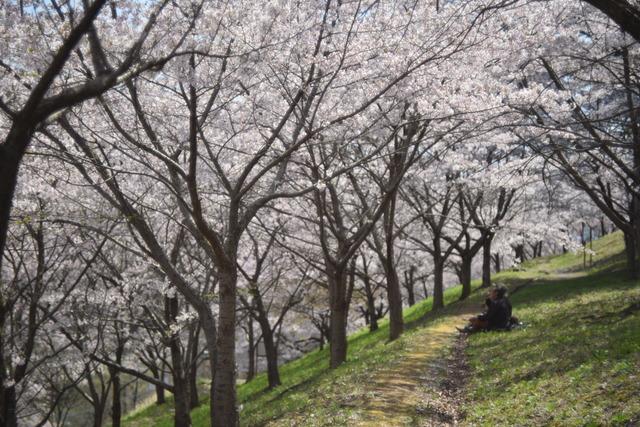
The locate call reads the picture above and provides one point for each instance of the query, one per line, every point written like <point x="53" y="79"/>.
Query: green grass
<point x="309" y="388"/>
<point x="578" y="360"/>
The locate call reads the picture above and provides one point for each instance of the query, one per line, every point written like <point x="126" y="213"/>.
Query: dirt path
<point x="422" y="388"/>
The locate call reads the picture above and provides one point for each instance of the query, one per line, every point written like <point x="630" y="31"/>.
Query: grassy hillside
<point x="308" y="386"/>
<point x="574" y="363"/>
<point x="578" y="360"/>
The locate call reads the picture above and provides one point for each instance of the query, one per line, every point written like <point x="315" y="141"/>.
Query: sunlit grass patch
<point x="576" y="362"/>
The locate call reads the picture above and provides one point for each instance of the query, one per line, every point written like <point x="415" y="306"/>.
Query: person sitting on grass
<point x="496" y="317"/>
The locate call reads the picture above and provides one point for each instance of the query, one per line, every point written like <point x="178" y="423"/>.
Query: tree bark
<point x="251" y="371"/>
<point x="603" y="228"/>
<point x="486" y="261"/>
<point x="410" y="285"/>
<point x="372" y="318"/>
<point x="98" y="412"/>
<point x="9" y="403"/>
<point x="10" y="159"/>
<point x="465" y="276"/>
<point x="116" y="390"/>
<point x="371" y="304"/>
<point x="498" y="264"/>
<point x="224" y="411"/>
<point x="396" y="323"/>
<point x="208" y="323"/>
<point x="394" y="295"/>
<point x="630" y="251"/>
<point x="160" y="397"/>
<point x="438" y="283"/>
<point x="271" y="351"/>
<point x="181" y="417"/>
<point x="623" y="13"/>
<point x="194" y="400"/>
<point x="337" y="279"/>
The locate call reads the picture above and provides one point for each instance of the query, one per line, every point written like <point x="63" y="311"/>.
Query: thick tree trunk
<point x="224" y="410"/>
<point x="394" y="295"/>
<point x="8" y="414"/>
<point x="438" y="284"/>
<point x="337" y="279"/>
<point x="465" y="276"/>
<point x="98" y="413"/>
<point x="486" y="261"/>
<point x="9" y="404"/>
<point x="10" y="159"/>
<point x="626" y="14"/>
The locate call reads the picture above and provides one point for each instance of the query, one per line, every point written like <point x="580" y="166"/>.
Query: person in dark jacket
<point x="498" y="313"/>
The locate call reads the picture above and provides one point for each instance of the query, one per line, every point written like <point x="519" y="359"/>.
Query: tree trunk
<point x="630" y="251"/>
<point x="603" y="227"/>
<point x="394" y="295"/>
<point x="251" y="370"/>
<point x="497" y="264"/>
<point x="623" y="13"/>
<point x="194" y="400"/>
<point x="10" y="159"/>
<point x="371" y="301"/>
<point x="116" y="389"/>
<point x="160" y="397"/>
<point x="181" y="416"/>
<point x="98" y="413"/>
<point x="9" y="403"/>
<point x="396" y="323"/>
<point x="8" y="414"/>
<point x="224" y="411"/>
<point x="520" y="253"/>
<point x="486" y="261"/>
<point x="410" y="285"/>
<point x="465" y="276"/>
<point x="208" y="324"/>
<point x="438" y="284"/>
<point x="338" y="315"/>
<point x="271" y="352"/>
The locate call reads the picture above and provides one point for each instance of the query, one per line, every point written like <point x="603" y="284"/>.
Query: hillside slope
<point x="574" y="363"/>
<point x="578" y="360"/>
